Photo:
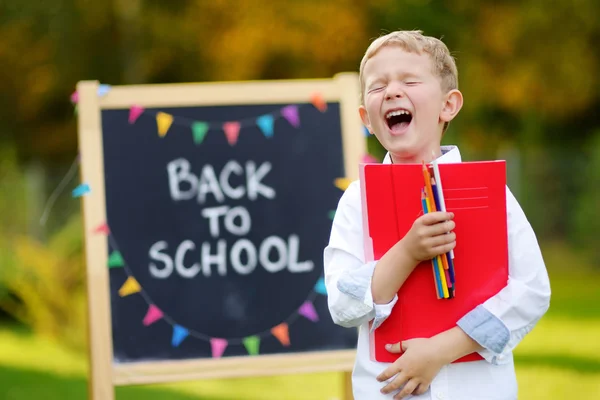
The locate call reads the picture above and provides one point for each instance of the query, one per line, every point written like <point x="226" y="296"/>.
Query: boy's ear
<point x="452" y="105"/>
<point x="365" y="118"/>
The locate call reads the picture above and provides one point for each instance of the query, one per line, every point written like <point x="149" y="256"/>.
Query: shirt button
<point x="440" y="396"/>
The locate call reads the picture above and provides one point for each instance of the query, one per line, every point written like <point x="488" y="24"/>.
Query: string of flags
<point x="218" y="345"/>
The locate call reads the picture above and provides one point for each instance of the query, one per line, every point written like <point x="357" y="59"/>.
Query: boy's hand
<point x="415" y="369"/>
<point x="431" y="235"/>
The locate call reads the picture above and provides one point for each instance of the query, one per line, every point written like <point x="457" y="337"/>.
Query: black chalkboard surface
<point x="225" y="240"/>
<point x="208" y="211"/>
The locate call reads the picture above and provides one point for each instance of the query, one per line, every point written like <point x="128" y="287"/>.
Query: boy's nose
<point x="394" y="93"/>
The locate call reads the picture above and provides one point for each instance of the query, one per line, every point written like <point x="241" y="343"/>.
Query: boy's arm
<point x="501" y="322"/>
<point x="347" y="277"/>
<point x="359" y="292"/>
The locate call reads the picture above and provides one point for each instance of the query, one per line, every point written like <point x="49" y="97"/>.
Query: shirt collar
<point x="450" y="154"/>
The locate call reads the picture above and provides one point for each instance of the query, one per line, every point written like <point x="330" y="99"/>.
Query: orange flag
<point x="317" y="100"/>
<point x="130" y="286"/>
<point x="163" y="122"/>
<point x="281" y="333"/>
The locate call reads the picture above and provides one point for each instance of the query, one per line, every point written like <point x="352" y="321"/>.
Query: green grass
<point x="559" y="359"/>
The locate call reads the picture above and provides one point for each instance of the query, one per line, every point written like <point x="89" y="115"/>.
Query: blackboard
<point x="213" y="221"/>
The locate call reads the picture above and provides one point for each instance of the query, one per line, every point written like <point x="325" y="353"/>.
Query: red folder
<point x="391" y="201"/>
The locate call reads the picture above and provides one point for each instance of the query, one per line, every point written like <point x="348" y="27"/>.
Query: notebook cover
<point x="476" y="193"/>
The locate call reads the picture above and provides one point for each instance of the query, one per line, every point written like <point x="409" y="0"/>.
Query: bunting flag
<point x="331" y="214"/>
<point x="317" y="100"/>
<point x="199" y="130"/>
<point x="134" y="113"/>
<point x="163" y="121"/>
<point x="265" y="123"/>
<point x="218" y="347"/>
<point x="81" y="190"/>
<point x="130" y="286"/>
<point x="281" y="332"/>
<point x="342" y="183"/>
<point x="320" y="286"/>
<point x="102" y="228"/>
<point x="153" y="315"/>
<point x="367" y="132"/>
<point x="252" y="343"/>
<point x="369" y="159"/>
<point x="179" y="334"/>
<point x="115" y="260"/>
<point x="308" y="310"/>
<point x="232" y="131"/>
<point x="103" y="89"/>
<point x="290" y="113"/>
<point x="75" y="97"/>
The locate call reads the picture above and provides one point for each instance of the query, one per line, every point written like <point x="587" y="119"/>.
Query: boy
<point x="409" y="94"/>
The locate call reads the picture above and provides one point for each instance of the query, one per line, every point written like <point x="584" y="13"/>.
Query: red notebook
<point x="391" y="200"/>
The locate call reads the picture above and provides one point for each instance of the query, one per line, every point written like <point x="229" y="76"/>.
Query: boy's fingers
<point x="443" y="239"/>
<point x="439" y="250"/>
<point x="397" y="383"/>
<point x="437" y="217"/>
<point x="394" y="348"/>
<point x="407" y="390"/>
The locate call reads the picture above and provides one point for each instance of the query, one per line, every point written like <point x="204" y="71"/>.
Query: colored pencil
<point x="436" y="274"/>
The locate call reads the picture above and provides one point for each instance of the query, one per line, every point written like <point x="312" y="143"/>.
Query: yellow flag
<point x="342" y="183"/>
<point x="163" y="121"/>
<point x="130" y="286"/>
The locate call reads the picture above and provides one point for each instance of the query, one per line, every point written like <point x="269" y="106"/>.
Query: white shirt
<point x="498" y="324"/>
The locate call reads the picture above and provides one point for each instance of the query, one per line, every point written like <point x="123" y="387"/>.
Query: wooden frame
<point x="104" y="374"/>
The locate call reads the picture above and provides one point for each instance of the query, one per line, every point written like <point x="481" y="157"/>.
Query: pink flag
<point x="232" y="131"/>
<point x="74" y="97"/>
<point x="153" y="315"/>
<point x="134" y="113"/>
<point x="218" y="347"/>
<point x="308" y="310"/>
<point x="102" y="228"/>
<point x="291" y="114"/>
<point x="367" y="158"/>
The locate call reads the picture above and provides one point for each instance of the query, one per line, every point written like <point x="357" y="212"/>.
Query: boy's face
<point x="404" y="105"/>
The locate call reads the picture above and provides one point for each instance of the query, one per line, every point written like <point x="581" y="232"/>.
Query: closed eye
<point x="375" y="89"/>
<point x="411" y="83"/>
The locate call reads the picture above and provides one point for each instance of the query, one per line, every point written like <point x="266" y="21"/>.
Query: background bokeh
<point x="529" y="73"/>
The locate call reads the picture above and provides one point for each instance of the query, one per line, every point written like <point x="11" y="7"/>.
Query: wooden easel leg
<point x="347" y="386"/>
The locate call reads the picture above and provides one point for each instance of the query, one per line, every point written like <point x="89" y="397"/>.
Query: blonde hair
<point x="415" y="42"/>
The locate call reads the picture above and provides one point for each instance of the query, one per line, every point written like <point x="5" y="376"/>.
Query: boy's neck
<point x="426" y="156"/>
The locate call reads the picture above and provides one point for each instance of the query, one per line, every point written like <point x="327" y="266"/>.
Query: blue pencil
<point x="436" y="271"/>
<point x="447" y="255"/>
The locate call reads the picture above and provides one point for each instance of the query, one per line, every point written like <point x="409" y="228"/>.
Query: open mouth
<point x="398" y="120"/>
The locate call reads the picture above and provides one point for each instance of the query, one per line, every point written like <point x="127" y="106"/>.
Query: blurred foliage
<point x="527" y="69"/>
<point x="42" y="280"/>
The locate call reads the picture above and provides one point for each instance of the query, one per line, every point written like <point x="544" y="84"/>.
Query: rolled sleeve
<point x="347" y="275"/>
<point x="501" y="322"/>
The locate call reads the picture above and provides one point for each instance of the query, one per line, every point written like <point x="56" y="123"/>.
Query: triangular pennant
<point x="179" y="334"/>
<point x="317" y="100"/>
<point x="218" y="347"/>
<point x="75" y="109"/>
<point x="265" y="123"/>
<point x="102" y="228"/>
<point x="153" y="315"/>
<point x="342" y="183"/>
<point x="130" y="286"/>
<point x="367" y="132"/>
<point x="134" y="113"/>
<point x="290" y="113"/>
<point x="103" y="89"/>
<point x="75" y="97"/>
<point x="199" y="130"/>
<point x="232" y="131"/>
<point x="115" y="260"/>
<point x="369" y="159"/>
<point x="81" y="190"/>
<point x="308" y="310"/>
<point x="252" y="343"/>
<point x="281" y="332"/>
<point x="163" y="122"/>
<point x="331" y="214"/>
<point x="320" y="287"/>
